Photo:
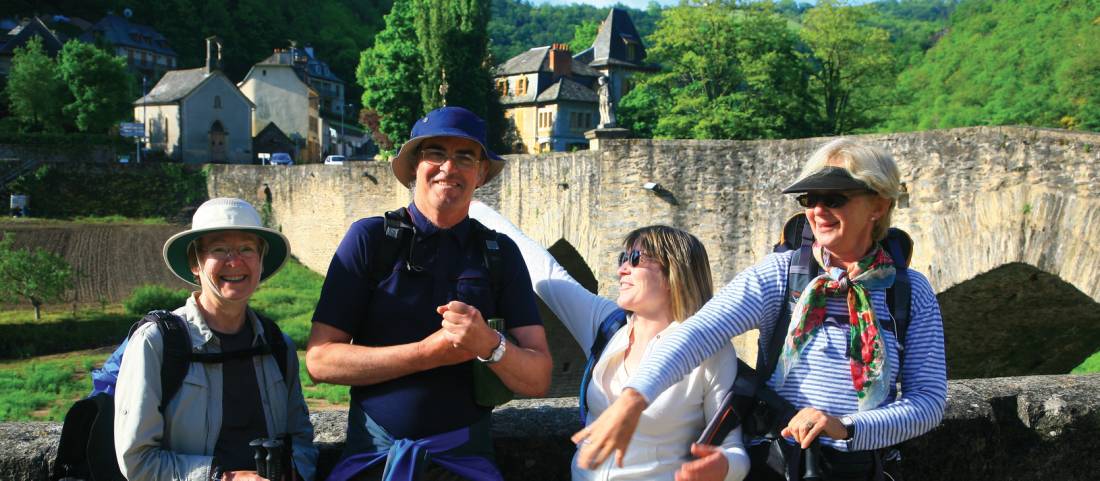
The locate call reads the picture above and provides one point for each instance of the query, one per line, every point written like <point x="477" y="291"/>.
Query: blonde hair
<point x="684" y="262"/>
<point x="867" y="163"/>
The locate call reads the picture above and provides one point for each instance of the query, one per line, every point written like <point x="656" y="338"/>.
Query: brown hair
<point x="684" y="262"/>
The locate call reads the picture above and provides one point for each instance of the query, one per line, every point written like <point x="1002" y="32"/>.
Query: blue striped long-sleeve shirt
<point x="823" y="378"/>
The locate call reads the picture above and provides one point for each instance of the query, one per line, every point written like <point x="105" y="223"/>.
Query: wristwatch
<point x="849" y="426"/>
<point x="497" y="353"/>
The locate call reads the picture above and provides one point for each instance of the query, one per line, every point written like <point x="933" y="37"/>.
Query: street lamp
<point x="144" y="117"/>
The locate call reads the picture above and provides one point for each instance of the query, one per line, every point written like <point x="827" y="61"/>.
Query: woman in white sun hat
<point x="203" y="430"/>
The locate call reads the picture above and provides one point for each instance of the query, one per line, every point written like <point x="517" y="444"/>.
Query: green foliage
<point x="1028" y="62"/>
<point x="518" y="25"/>
<point x="853" y="67"/>
<point x="729" y="71"/>
<point x="390" y="76"/>
<point x="441" y="25"/>
<point x="149" y="297"/>
<point x="289" y="298"/>
<point x="99" y="84"/>
<point x="140" y="190"/>
<point x="584" y="35"/>
<point x="37" y="276"/>
<point x="1089" y="366"/>
<point x="34" y="90"/>
<point x="61" y="330"/>
<point x="43" y="389"/>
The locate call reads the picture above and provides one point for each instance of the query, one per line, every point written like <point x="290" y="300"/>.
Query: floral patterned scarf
<point x="866" y="346"/>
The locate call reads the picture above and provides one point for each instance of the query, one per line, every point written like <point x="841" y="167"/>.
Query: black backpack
<point x="87" y="449"/>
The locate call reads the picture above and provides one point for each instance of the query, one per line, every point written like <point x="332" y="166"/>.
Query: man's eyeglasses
<point x="833" y="200"/>
<point x="463" y="160"/>
<point x="635" y="256"/>
<point x="222" y="253"/>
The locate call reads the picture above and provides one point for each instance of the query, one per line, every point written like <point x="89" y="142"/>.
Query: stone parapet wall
<point x="1022" y="428"/>
<point x="977" y="198"/>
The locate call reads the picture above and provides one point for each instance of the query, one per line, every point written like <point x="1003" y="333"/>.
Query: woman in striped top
<point x="664" y="277"/>
<point x="838" y="366"/>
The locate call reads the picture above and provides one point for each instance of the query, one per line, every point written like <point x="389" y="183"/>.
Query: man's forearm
<point x="524" y="371"/>
<point x="352" y="365"/>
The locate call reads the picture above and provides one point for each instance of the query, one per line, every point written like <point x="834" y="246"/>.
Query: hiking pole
<point x="812" y="456"/>
<point x="274" y="459"/>
<point x="260" y="455"/>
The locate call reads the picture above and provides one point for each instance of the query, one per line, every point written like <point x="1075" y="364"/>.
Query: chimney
<point x="213" y="54"/>
<point x="561" y="62"/>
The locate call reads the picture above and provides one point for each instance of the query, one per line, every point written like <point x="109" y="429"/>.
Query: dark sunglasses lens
<point x="832" y="201"/>
<point x="633" y="256"/>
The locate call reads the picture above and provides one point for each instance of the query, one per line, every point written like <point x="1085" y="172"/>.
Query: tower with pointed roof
<point x="549" y="95"/>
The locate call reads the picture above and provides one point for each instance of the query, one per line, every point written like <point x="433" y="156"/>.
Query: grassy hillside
<point x="1032" y="62"/>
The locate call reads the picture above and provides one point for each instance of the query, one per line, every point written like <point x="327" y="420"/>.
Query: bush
<point x="150" y="297"/>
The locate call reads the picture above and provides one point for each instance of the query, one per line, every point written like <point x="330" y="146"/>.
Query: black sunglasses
<point x="834" y="200"/>
<point x="634" y="256"/>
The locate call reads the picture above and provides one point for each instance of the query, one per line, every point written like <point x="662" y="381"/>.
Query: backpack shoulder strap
<point x="608" y="328"/>
<point x="899" y="296"/>
<point x="399" y="232"/>
<point x="797" y="236"/>
<point x="177" y="353"/>
<point x="492" y="258"/>
<point x="273" y="336"/>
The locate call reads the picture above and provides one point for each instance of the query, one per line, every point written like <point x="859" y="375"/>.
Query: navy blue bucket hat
<point x="444" y="122"/>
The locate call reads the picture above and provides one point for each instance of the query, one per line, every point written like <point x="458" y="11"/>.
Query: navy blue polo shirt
<point x="402" y="309"/>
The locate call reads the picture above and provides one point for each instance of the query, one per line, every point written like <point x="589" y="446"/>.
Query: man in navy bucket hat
<point x="402" y="317"/>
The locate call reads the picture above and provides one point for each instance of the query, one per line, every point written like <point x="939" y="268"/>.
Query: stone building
<point x="283" y="96"/>
<point x="549" y="95"/>
<point x="146" y="51"/>
<point x="198" y="115"/>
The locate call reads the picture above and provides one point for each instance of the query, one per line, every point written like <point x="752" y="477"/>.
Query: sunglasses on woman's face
<point x="634" y="256"/>
<point x="832" y="200"/>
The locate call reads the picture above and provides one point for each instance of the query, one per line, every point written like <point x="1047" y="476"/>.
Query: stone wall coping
<point x="1006" y="428"/>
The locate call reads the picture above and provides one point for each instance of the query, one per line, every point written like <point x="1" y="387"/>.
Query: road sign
<point x="131" y="129"/>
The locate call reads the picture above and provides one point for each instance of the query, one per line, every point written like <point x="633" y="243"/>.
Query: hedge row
<point x="129" y="190"/>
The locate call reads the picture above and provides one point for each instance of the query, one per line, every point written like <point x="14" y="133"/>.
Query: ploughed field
<point x="111" y="259"/>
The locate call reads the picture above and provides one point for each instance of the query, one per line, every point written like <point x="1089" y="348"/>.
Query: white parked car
<point x="334" y="160"/>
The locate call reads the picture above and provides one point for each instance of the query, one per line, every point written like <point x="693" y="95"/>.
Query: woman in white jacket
<point x="664" y="277"/>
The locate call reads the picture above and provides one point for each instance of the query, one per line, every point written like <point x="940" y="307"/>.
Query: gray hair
<point x="867" y="163"/>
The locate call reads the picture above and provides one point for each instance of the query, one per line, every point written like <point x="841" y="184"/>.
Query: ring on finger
<point x="809" y="424"/>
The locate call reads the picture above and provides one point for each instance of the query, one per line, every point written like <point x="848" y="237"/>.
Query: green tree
<point x="853" y="66"/>
<point x="389" y="73"/>
<point x="99" y="84"/>
<point x="453" y="39"/>
<point x="35" y="92"/>
<point x="729" y="71"/>
<point x="37" y="276"/>
<point x="584" y="35"/>
<point x="1028" y="62"/>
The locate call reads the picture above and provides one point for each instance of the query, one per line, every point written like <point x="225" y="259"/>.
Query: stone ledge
<point x="1019" y="428"/>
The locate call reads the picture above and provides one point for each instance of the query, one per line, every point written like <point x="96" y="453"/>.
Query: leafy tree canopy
<point x="729" y="71"/>
<point x="35" y="91"/>
<point x="1033" y="62"/>
<point x="99" y="84"/>
<point x="37" y="276"/>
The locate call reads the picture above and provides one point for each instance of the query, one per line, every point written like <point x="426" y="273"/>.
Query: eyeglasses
<point x="635" y="256"/>
<point x="834" y="200"/>
<point x="222" y="253"/>
<point x="463" y="160"/>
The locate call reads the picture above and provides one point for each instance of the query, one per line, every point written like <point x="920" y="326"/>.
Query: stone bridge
<point x="977" y="198"/>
